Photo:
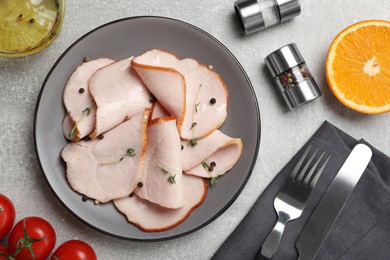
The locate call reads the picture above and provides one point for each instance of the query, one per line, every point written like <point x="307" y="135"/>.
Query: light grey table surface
<point x="283" y="132"/>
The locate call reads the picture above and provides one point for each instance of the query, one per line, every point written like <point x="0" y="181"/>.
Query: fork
<point x="291" y="199"/>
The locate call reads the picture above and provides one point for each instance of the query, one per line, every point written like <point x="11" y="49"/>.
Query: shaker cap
<point x="250" y="13"/>
<point x="283" y="59"/>
<point x="288" y="9"/>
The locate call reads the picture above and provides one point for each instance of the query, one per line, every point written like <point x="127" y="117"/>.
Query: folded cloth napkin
<point x="362" y="230"/>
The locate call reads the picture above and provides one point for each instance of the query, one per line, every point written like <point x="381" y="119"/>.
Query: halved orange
<point x="358" y="66"/>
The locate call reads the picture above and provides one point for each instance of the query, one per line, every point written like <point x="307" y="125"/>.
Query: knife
<point x="332" y="203"/>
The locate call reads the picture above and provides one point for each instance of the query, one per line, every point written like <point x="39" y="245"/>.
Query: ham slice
<point x="118" y="93"/>
<point x="206" y="103"/>
<point x="165" y="82"/>
<point x="158" y="111"/>
<point x="219" y="148"/>
<point x="67" y="126"/>
<point x="77" y="98"/>
<point x="194" y="94"/>
<point x="162" y="179"/>
<point x="105" y="169"/>
<point x="150" y="217"/>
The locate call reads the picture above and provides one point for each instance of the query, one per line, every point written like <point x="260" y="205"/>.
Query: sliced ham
<point x="105" y="169"/>
<point x="158" y="111"/>
<point x="146" y="143"/>
<point x="77" y="98"/>
<point x="194" y="94"/>
<point x="162" y="179"/>
<point x="206" y="103"/>
<point x="150" y="217"/>
<point x="219" y="148"/>
<point x="118" y="93"/>
<point x="67" y="126"/>
<point x="165" y="82"/>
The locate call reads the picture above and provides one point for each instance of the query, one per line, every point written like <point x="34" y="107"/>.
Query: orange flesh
<point x="358" y="67"/>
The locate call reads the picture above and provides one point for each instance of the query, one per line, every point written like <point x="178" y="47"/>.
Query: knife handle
<point x="270" y="245"/>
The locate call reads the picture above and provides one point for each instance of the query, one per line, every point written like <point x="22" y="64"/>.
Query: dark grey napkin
<point x="362" y="230"/>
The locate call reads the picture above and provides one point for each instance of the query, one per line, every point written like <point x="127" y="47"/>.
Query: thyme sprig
<point x="193" y="125"/>
<point x="129" y="152"/>
<point x="205" y="165"/>
<point x="84" y="114"/>
<point x="209" y="169"/>
<point x="196" y="107"/>
<point x="213" y="181"/>
<point x="193" y="142"/>
<point x="171" y="179"/>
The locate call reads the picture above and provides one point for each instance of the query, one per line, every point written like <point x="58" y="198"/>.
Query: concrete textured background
<point x="283" y="133"/>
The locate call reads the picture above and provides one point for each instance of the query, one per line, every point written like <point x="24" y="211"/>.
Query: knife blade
<point x="332" y="203"/>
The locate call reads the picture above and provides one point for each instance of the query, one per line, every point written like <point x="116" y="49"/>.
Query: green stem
<point x="112" y="162"/>
<point x="84" y="114"/>
<point x="195" y="110"/>
<point x="26" y="242"/>
<point x="129" y="152"/>
<point x="8" y="257"/>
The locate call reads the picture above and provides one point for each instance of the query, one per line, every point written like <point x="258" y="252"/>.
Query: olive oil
<point x="28" y="26"/>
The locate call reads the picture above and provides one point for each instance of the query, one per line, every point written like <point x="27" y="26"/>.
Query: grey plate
<point x="133" y="36"/>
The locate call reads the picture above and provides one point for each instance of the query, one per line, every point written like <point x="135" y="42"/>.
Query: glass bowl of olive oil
<point x="28" y="26"/>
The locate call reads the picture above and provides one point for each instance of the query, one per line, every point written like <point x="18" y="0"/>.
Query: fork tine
<point x="317" y="174"/>
<point x="304" y="169"/>
<point x="299" y="163"/>
<point x="307" y="178"/>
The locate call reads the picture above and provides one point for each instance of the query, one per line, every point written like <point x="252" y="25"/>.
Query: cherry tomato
<point x="74" y="250"/>
<point x="31" y="238"/>
<point x="3" y="252"/>
<point x="7" y="215"/>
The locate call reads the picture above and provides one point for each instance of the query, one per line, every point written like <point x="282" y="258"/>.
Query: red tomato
<point x="7" y="215"/>
<point x="3" y="250"/>
<point x="31" y="234"/>
<point x="74" y="250"/>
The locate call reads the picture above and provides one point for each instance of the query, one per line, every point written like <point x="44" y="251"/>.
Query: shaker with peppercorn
<point x="292" y="76"/>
